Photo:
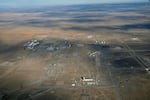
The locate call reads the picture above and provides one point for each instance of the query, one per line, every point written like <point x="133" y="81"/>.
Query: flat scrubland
<point x="109" y="44"/>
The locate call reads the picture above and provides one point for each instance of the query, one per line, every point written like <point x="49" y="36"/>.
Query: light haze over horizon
<point x="20" y="3"/>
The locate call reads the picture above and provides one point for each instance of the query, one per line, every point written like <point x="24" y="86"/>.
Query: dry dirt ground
<point x="111" y="50"/>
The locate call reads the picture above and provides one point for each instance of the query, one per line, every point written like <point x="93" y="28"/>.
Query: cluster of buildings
<point x="38" y="45"/>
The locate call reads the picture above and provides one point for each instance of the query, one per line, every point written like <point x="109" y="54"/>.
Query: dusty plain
<point x="108" y="44"/>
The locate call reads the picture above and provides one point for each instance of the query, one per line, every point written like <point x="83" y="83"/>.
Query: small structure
<point x="31" y="44"/>
<point x="148" y="70"/>
<point x="50" y="48"/>
<point x="88" y="81"/>
<point x="80" y="45"/>
<point x="100" y="42"/>
<point x="90" y="36"/>
<point x="135" y="39"/>
<point x="93" y="54"/>
<point x="73" y="85"/>
<point x="62" y="45"/>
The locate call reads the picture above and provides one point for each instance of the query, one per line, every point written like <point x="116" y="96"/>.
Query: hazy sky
<point x="16" y="3"/>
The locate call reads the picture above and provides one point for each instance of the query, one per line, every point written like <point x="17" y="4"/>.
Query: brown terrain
<point x="109" y="48"/>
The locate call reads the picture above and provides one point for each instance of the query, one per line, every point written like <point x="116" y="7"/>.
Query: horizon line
<point x="58" y="5"/>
